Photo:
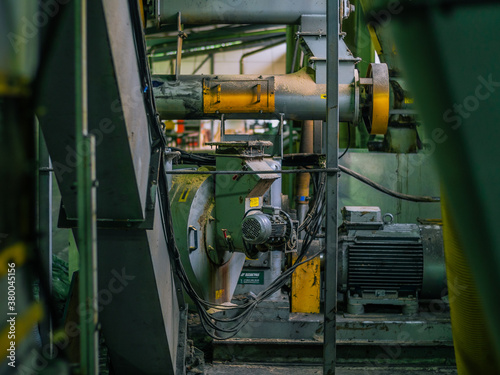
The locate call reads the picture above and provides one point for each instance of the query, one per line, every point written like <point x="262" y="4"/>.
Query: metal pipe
<point x="215" y="37"/>
<point x="289" y="171"/>
<point x="180" y="37"/>
<point x="318" y="137"/>
<point x="196" y="12"/>
<point x="329" y="338"/>
<point x="222" y="128"/>
<point x="290" y="47"/>
<point x="294" y="61"/>
<point x="215" y="48"/>
<point x="296" y="95"/>
<point x="282" y="116"/>
<point x="303" y="179"/>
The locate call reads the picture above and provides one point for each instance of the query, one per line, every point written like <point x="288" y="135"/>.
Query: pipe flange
<point x="378" y="117"/>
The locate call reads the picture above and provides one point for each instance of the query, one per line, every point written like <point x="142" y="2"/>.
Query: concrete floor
<point x="250" y="369"/>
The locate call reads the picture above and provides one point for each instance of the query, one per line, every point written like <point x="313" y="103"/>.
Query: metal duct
<point x="237" y="11"/>
<point x="296" y="95"/>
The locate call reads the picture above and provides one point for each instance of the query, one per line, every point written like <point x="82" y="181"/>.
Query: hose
<point x="474" y="350"/>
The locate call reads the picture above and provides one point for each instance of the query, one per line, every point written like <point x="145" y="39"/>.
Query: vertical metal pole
<point x="282" y="115"/>
<point x="222" y="128"/>
<point x="291" y="59"/>
<point x="332" y="116"/>
<point x="86" y="198"/>
<point x="180" y="37"/>
<point x="45" y="230"/>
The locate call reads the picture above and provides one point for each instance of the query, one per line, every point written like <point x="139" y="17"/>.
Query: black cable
<point x="348" y="140"/>
<point x="383" y="189"/>
<point x="208" y="159"/>
<point x="198" y="158"/>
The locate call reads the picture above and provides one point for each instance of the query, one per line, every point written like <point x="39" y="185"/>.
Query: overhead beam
<point x="231" y="12"/>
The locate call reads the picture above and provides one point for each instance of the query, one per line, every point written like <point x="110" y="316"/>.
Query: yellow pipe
<point x="473" y="347"/>
<point x="306" y="146"/>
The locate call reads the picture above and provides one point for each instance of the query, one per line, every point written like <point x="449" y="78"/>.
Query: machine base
<point x="276" y="336"/>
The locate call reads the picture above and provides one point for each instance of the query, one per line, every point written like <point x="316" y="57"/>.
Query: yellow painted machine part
<point x="474" y="351"/>
<point x="306" y="278"/>
<point x="380" y="97"/>
<point x="238" y="96"/>
<point x="306" y="287"/>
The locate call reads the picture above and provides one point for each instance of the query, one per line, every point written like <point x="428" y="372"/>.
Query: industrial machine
<point x="297" y="255"/>
<point x="385" y="263"/>
<point x="239" y="238"/>
<point x="221" y="219"/>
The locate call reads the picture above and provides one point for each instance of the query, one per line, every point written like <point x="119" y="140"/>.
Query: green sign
<point x="252" y="277"/>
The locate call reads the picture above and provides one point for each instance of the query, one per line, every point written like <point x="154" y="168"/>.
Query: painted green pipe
<point x="474" y="350"/>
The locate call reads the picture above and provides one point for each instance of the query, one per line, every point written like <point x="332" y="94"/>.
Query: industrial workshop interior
<point x="249" y="187"/>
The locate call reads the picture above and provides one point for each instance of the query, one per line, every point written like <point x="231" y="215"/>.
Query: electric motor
<point x="261" y="228"/>
<point x="385" y="263"/>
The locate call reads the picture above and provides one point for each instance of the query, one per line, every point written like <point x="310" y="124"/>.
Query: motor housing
<point x="261" y="228"/>
<point x="382" y="263"/>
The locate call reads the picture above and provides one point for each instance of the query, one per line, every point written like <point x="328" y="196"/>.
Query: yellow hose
<point x="473" y="347"/>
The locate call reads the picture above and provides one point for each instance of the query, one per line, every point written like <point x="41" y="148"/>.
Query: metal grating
<point x="387" y="266"/>
<point x="251" y="229"/>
